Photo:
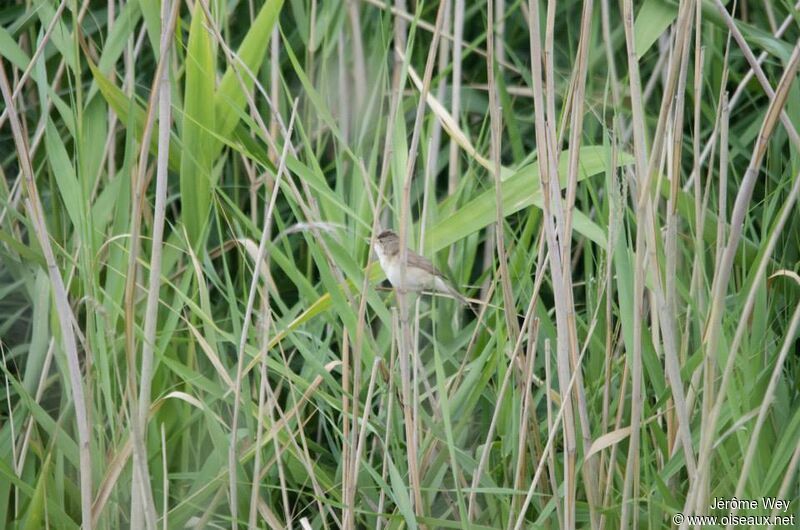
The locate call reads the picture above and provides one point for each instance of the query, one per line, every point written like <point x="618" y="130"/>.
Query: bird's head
<point x="387" y="243"/>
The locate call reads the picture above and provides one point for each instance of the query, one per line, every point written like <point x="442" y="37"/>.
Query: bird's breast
<point x="416" y="279"/>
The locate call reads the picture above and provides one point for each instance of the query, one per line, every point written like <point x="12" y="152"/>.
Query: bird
<point x="421" y="275"/>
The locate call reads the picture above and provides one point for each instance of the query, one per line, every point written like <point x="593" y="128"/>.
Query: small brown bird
<point x="421" y="275"/>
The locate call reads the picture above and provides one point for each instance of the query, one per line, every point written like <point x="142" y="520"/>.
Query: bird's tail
<point x="443" y="287"/>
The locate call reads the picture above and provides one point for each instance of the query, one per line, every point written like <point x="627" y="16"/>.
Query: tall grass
<point x="194" y="332"/>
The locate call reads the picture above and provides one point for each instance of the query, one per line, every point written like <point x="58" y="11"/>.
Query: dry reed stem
<point x="63" y="310"/>
<point x="407" y="347"/>
<point x="496" y="140"/>
<point x="350" y="476"/>
<point x="722" y="276"/>
<point x="553" y="219"/>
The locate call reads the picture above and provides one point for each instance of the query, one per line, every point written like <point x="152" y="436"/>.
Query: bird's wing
<point x="442" y="284"/>
<point x="415" y="260"/>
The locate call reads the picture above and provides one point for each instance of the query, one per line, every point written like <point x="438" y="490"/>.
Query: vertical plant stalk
<point x="261" y="256"/>
<point x="720" y="286"/>
<point x="548" y="448"/>
<point x="640" y="164"/>
<point x="436" y="126"/>
<point x="666" y="297"/>
<point x="350" y="477"/>
<point x="697" y="93"/>
<point x="359" y="66"/>
<point x="275" y="85"/>
<point x="514" y="359"/>
<point x="499" y="32"/>
<point x="590" y="472"/>
<point x="699" y="263"/>
<point x="616" y="200"/>
<point x="142" y="502"/>
<point x="496" y="140"/>
<point x="608" y="43"/>
<point x="165" y="479"/>
<point x="400" y="26"/>
<point x="576" y="125"/>
<point x="350" y="474"/>
<point x="248" y="314"/>
<point x="646" y="169"/>
<point x="262" y="396"/>
<point x="402" y="301"/>
<point x="526" y="411"/>
<point x="142" y="494"/>
<point x="709" y="363"/>
<point x="455" y="90"/>
<point x="553" y="224"/>
<point x="63" y="309"/>
<point x="159" y="214"/>
<point x="388" y="407"/>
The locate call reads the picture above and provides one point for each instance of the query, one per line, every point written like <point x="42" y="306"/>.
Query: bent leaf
<point x="199" y="145"/>
<point x="520" y="190"/>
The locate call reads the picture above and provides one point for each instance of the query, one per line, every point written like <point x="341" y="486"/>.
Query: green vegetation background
<point x="247" y="368"/>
